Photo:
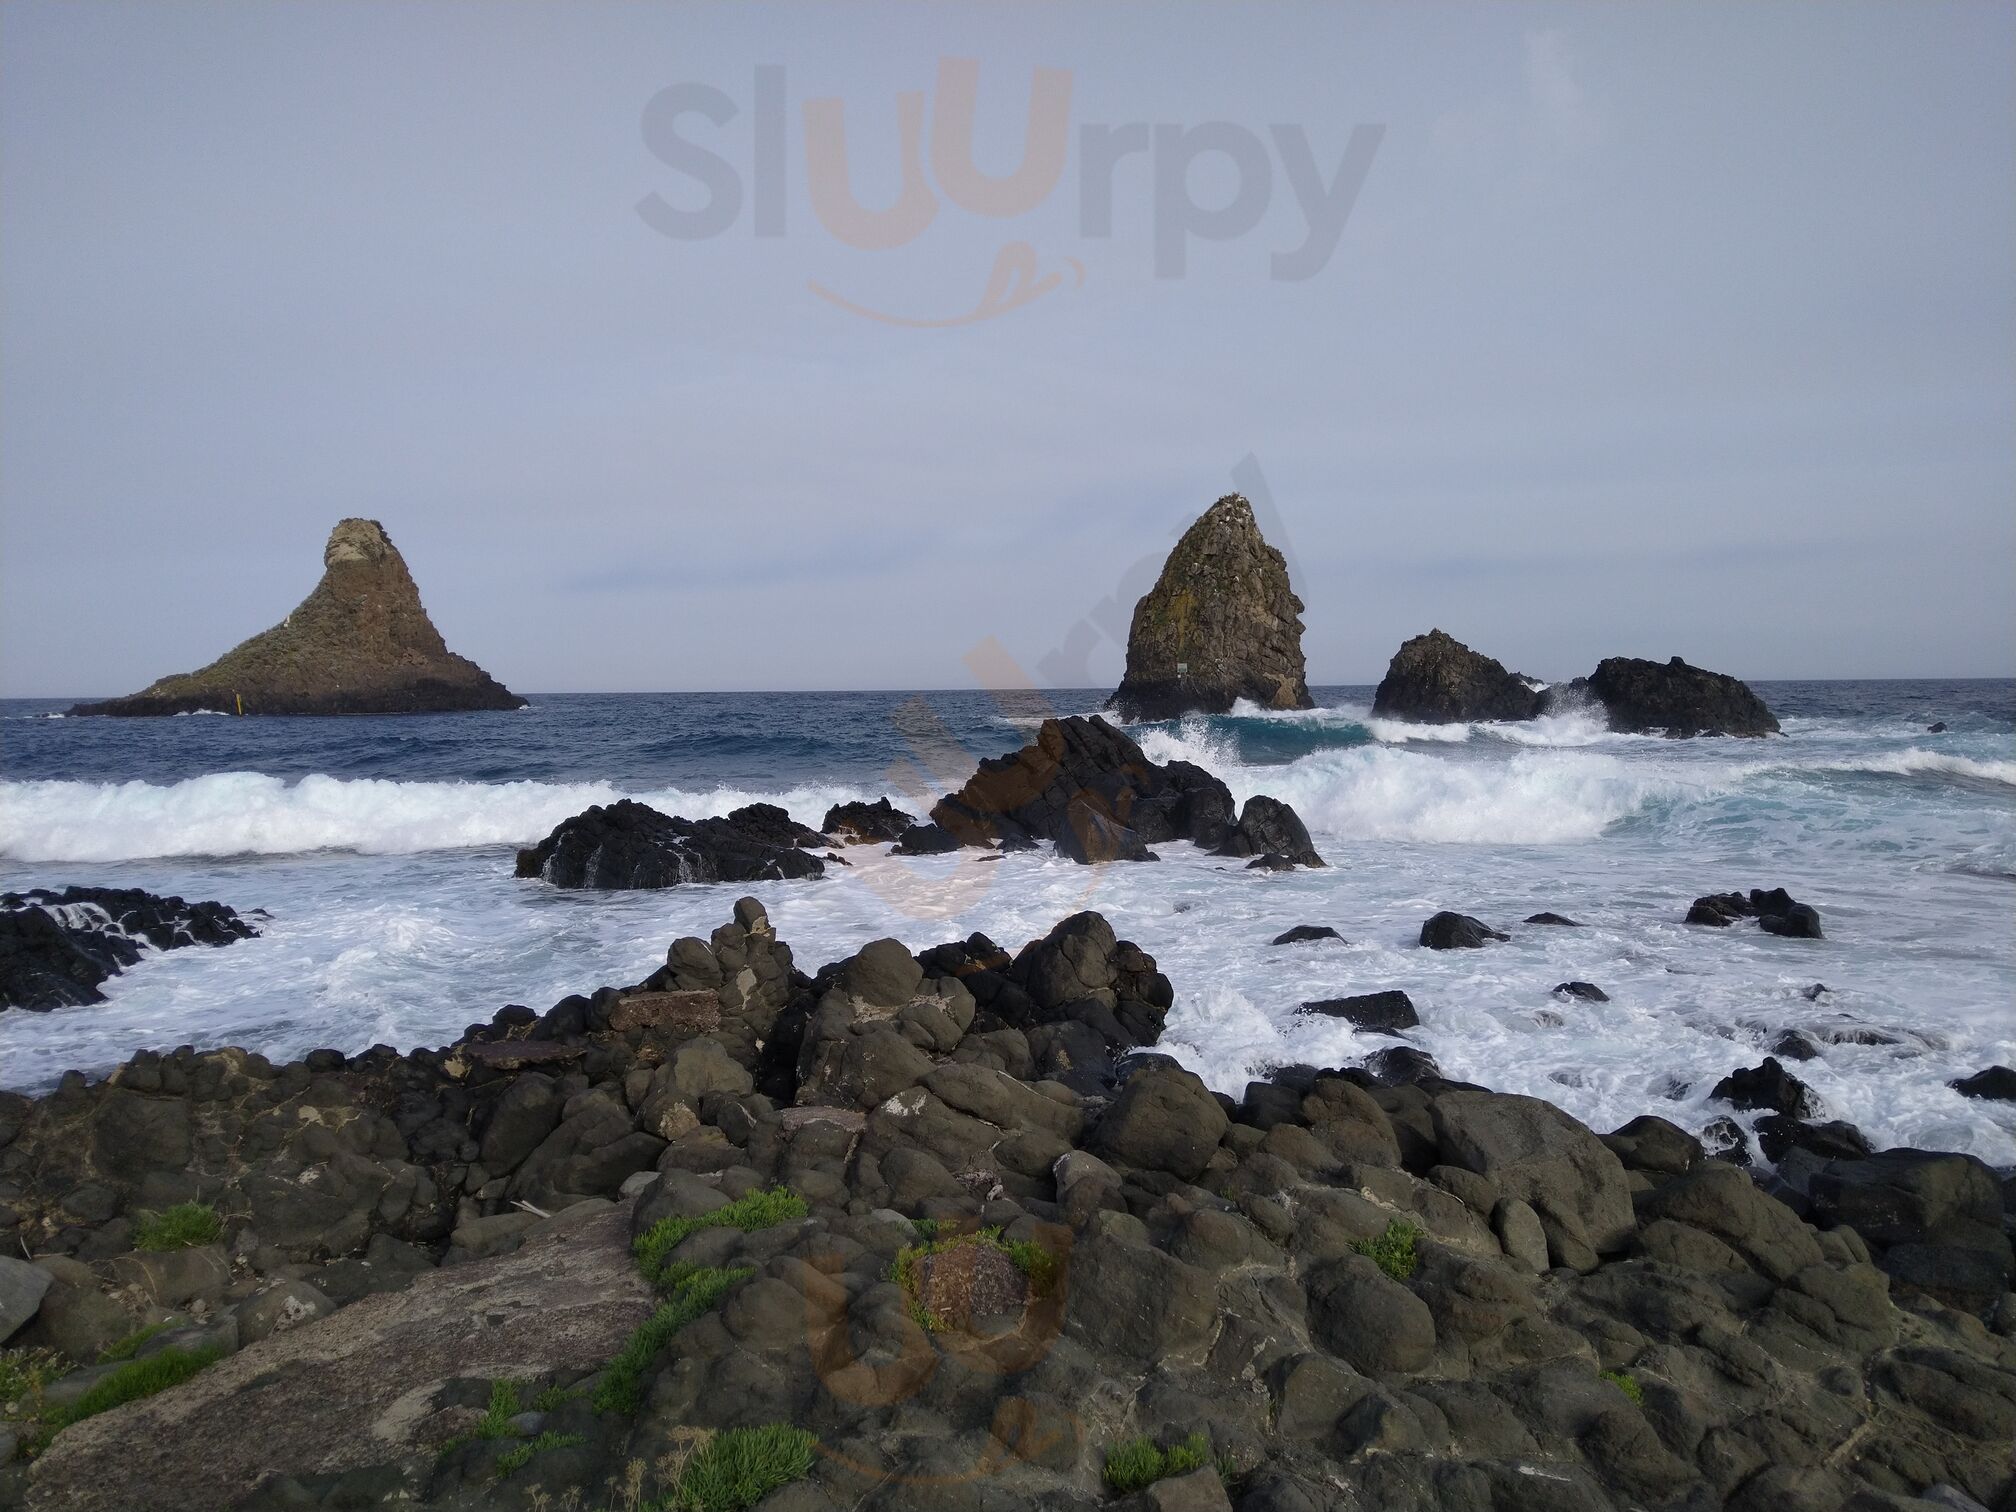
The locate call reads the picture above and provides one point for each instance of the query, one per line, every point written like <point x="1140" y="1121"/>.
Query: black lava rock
<point x="1676" y="699"/>
<point x="1778" y="1134"/>
<point x="1997" y="1084"/>
<point x="1305" y="932"/>
<point x="629" y="845"/>
<point x="1794" y="1045"/>
<point x="1388" y="1012"/>
<point x="1587" y="992"/>
<point x="1454" y="931"/>
<point x="1769" y="1087"/>
<point x="56" y="947"/>
<point x="1559" y="920"/>
<point x="1436" y="679"/>
<point x="860" y="823"/>
<point x="924" y="840"/>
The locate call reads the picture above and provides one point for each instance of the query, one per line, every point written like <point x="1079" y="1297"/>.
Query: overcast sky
<point x="1652" y="330"/>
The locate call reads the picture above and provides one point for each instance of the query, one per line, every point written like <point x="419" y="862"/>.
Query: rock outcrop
<point x="916" y="1206"/>
<point x="1673" y="698"/>
<point x="1222" y="623"/>
<point x="1436" y="679"/>
<point x="58" y="947"/>
<point x="361" y="643"/>
<point x="1092" y="792"/>
<point x="627" y="844"/>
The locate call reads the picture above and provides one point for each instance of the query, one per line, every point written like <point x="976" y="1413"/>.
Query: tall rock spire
<point x="1221" y="623"/>
<point x="361" y="643"/>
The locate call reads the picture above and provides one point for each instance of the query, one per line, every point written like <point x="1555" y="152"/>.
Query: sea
<point x="380" y="851"/>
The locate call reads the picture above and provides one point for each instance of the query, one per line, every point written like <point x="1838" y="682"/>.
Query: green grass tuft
<point x="553" y="1398"/>
<point x="24" y="1372"/>
<point x="496" y="1420"/>
<point x="131" y="1382"/>
<point x="696" y="1291"/>
<point x="129" y="1346"/>
<point x="738" y="1468"/>
<point x="1392" y="1251"/>
<point x="516" y="1458"/>
<point x="758" y="1210"/>
<point x="183" y="1226"/>
<point x="1627" y="1383"/>
<point x="1138" y="1463"/>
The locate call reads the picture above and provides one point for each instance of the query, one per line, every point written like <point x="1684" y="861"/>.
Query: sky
<point x="701" y="347"/>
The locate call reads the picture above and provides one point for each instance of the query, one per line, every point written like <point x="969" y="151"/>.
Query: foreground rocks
<point x="361" y="643"/>
<point x="1404" y="1295"/>
<point x="627" y="844"/>
<point x="1436" y="679"/>
<point x="57" y="947"/>
<point x="1222" y="623"/>
<point x="1089" y="789"/>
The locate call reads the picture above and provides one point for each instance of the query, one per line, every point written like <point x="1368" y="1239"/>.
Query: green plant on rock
<point x="1035" y="1262"/>
<point x="518" y="1456"/>
<point x="1394" y="1250"/>
<point x="183" y="1226"/>
<point x="131" y="1382"/>
<point x="737" y="1468"/>
<point x="24" y="1372"/>
<point x="757" y="1210"/>
<point x="129" y="1346"/>
<point x="1138" y="1463"/>
<point x="694" y="1290"/>
<point x="1627" y="1383"/>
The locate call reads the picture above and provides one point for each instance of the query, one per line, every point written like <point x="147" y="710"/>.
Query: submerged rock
<point x="1775" y="911"/>
<point x="1088" y="789"/>
<point x="1304" y="933"/>
<point x="1387" y="1012"/>
<point x="57" y="947"/>
<point x="361" y="643"/>
<point x="1222" y="623"/>
<point x="1436" y="679"/>
<point x="627" y="844"/>
<point x="1770" y="1087"/>
<point x="1673" y="698"/>
<point x="859" y="823"/>
<point x="1996" y="1084"/>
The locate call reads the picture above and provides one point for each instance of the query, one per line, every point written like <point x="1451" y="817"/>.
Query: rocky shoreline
<point x="943" y="1230"/>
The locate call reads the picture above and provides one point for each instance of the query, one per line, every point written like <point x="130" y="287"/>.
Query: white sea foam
<point x="1913" y="762"/>
<point x="249" y="813"/>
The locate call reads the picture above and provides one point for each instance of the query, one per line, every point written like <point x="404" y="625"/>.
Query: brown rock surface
<point x="1222" y="623"/>
<point x="361" y="643"/>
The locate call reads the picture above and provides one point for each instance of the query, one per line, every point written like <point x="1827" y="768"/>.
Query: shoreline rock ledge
<point x="361" y="643"/>
<point x="1222" y="623"/>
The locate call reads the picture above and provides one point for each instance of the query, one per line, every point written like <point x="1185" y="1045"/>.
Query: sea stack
<point x="1436" y="679"/>
<point x="1222" y="623"/>
<point x="361" y="643"/>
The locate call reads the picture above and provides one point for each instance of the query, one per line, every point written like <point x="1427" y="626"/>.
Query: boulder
<point x="1387" y="1012"/>
<point x="627" y="844"/>
<point x="1995" y="1084"/>
<point x="1436" y="679"/>
<point x="1559" y="921"/>
<point x="58" y="946"/>
<point x="284" y="1305"/>
<point x="1720" y="1200"/>
<point x="1222" y="623"/>
<point x="858" y="823"/>
<point x="1673" y="698"/>
<point x="925" y="840"/>
<point x="1090" y="790"/>
<point x="1768" y="1087"/>
<point x="361" y="643"/>
<point x="1587" y="992"/>
<point x="1303" y="934"/>
<point x="1165" y="1119"/>
<point x="1360" y="1314"/>
<point x="1538" y="1154"/>
<point x="21" y="1290"/>
<point x="1454" y="931"/>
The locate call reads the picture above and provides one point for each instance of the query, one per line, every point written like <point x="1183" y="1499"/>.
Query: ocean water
<point x="382" y="850"/>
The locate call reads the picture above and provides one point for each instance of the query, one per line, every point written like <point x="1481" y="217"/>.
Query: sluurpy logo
<point x="692" y="129"/>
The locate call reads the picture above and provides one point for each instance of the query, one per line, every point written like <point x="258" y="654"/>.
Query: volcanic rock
<point x="1303" y="933"/>
<point x="361" y="643"/>
<point x="1386" y="1012"/>
<point x="1453" y="931"/>
<point x="1436" y="679"/>
<point x="1090" y="790"/>
<point x="626" y="844"/>
<point x="1769" y="1087"/>
<point x="56" y="947"/>
<point x="1996" y="1083"/>
<point x="859" y="823"/>
<point x="1673" y="698"/>
<point x="1222" y="623"/>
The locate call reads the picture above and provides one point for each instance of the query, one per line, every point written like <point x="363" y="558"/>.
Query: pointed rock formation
<point x="1436" y="679"/>
<point x="359" y="644"/>
<point x="1221" y="623"/>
